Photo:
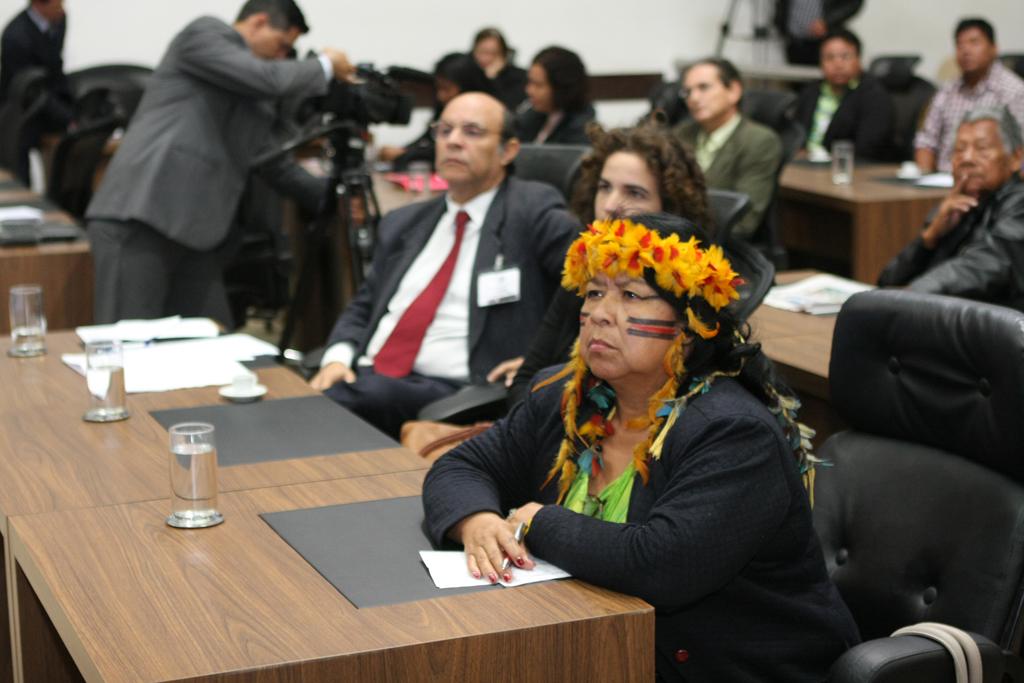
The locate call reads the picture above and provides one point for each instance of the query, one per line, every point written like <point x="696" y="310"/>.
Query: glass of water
<point x="193" y="476"/>
<point x="104" y="377"/>
<point x="28" y="321"/>
<point x="842" y="162"/>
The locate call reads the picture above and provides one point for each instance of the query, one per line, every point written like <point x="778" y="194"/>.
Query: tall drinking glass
<point x="28" y="321"/>
<point x="193" y="476"/>
<point x="104" y="377"/>
<point x="842" y="162"/>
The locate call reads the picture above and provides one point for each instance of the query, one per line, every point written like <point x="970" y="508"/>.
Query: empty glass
<point x="28" y="321"/>
<point x="193" y="463"/>
<point x="104" y="377"/>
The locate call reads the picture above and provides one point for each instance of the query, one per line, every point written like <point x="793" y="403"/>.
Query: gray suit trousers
<point x="166" y="278"/>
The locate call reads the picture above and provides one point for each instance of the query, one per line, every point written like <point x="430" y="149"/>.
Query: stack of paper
<point x="822" y="294"/>
<point x="183" y="365"/>
<point x="20" y="214"/>
<point x="936" y="180"/>
<point x="174" y="327"/>
<point x="448" y="570"/>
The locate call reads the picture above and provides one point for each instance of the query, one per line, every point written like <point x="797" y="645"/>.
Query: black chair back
<point x="557" y="165"/>
<point x="74" y="164"/>
<point x="775" y="109"/>
<point x="667" y="102"/>
<point x="727" y="208"/>
<point x="921" y="511"/>
<point x="1014" y="62"/>
<point x="108" y="90"/>
<point x="26" y="97"/>
<point x="758" y="275"/>
<point x="910" y="96"/>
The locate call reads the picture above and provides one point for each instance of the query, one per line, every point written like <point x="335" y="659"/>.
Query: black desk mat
<point x="261" y="362"/>
<point x="369" y="551"/>
<point x="280" y="430"/>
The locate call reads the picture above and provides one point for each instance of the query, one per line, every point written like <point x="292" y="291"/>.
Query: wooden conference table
<point x="98" y="587"/>
<point x="64" y="269"/>
<point x="800" y="345"/>
<point x="852" y="230"/>
<point x="52" y="460"/>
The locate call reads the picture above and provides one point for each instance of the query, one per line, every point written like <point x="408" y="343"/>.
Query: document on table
<point x="821" y="294"/>
<point x="448" y="570"/>
<point x="185" y="364"/>
<point x="20" y="213"/>
<point x="174" y="327"/>
<point x="936" y="180"/>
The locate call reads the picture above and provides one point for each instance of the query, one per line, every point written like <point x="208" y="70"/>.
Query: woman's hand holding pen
<point x="489" y="540"/>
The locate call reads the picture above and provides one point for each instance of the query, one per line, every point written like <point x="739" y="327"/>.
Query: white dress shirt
<point x="445" y="349"/>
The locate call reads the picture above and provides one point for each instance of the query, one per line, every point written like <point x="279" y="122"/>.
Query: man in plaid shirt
<point x="984" y="81"/>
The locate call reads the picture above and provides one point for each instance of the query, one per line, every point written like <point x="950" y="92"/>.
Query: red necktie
<point x="397" y="355"/>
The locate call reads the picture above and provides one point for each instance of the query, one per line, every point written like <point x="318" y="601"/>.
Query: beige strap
<point x="963" y="649"/>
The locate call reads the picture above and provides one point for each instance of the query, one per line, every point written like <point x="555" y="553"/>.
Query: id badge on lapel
<point x="497" y="286"/>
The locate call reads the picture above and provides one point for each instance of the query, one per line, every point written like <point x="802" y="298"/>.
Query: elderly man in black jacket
<point x="973" y="244"/>
<point x="847" y="104"/>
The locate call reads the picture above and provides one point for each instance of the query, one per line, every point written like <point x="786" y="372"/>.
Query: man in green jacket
<point x="735" y="153"/>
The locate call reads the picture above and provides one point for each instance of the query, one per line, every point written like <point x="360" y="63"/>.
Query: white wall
<point x="638" y="36"/>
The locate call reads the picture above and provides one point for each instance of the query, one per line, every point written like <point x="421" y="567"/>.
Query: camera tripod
<point x="759" y="13"/>
<point x="350" y="203"/>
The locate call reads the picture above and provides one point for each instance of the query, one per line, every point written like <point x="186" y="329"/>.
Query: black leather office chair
<point x="727" y="208"/>
<point x="557" y="165"/>
<point x="667" y="103"/>
<point x="108" y="90"/>
<point x="26" y="97"/>
<point x="1014" y="62"/>
<point x="775" y="109"/>
<point x="910" y="96"/>
<point x="921" y="511"/>
<point x="74" y="164"/>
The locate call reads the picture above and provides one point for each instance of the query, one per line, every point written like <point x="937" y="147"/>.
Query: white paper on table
<point x="185" y="364"/>
<point x="174" y="327"/>
<point x="821" y="294"/>
<point x="448" y="570"/>
<point x="936" y="180"/>
<point x="20" y="213"/>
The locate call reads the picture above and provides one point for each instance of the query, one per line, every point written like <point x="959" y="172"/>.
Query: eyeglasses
<point x="442" y="130"/>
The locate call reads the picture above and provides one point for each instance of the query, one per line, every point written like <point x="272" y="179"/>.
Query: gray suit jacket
<point x="748" y="162"/>
<point x="207" y="113"/>
<point x="527" y="222"/>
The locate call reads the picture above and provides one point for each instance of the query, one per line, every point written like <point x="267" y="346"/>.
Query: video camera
<point x="375" y="98"/>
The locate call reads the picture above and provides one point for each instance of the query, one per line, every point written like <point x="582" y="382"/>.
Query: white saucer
<point x="230" y="393"/>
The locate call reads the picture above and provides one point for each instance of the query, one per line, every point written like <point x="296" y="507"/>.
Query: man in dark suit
<point x="803" y="24"/>
<point x="734" y="152"/>
<point x="847" y="104"/>
<point x="35" y="38"/>
<point x="458" y="283"/>
<point x="171" y="192"/>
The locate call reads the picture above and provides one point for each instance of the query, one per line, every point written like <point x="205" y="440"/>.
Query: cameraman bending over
<point x="171" y="192"/>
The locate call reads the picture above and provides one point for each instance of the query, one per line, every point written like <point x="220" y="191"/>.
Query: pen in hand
<point x="518" y="536"/>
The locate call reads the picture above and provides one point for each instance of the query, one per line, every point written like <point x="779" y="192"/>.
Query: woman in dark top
<point x="630" y="170"/>
<point x="659" y="462"/>
<point x="454" y="74"/>
<point x="492" y="54"/>
<point x="559" y="108"/>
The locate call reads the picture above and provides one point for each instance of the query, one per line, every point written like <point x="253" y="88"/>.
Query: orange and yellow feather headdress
<point x="683" y="270"/>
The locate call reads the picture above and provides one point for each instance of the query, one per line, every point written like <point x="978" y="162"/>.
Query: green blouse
<point x="610" y="505"/>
